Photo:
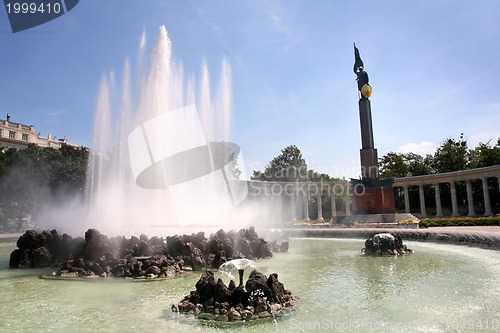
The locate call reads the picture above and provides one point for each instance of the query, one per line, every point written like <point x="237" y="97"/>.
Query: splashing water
<point x="237" y="267"/>
<point x="114" y="199"/>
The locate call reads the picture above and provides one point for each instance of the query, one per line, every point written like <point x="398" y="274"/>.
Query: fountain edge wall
<point x="465" y="237"/>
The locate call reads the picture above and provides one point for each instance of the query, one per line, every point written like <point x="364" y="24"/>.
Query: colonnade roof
<point x="447" y="177"/>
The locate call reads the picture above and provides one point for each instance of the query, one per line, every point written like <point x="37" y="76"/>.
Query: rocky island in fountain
<point x="96" y="255"/>
<point x="259" y="298"/>
<point x="386" y="244"/>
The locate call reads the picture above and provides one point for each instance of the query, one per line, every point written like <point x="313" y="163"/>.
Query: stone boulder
<point x="385" y="244"/>
<point x="261" y="297"/>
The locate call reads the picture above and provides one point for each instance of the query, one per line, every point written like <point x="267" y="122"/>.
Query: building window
<point x="1" y="132"/>
<point x="25" y="137"/>
<point x="12" y="135"/>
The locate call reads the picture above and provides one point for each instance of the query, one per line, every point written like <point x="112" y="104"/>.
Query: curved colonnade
<point x="298" y="193"/>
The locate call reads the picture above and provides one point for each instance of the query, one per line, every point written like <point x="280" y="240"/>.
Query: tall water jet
<point x="148" y="123"/>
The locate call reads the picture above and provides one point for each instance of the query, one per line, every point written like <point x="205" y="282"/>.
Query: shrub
<point x="459" y="221"/>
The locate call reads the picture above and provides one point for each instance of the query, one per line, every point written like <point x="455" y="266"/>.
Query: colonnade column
<point x="486" y="197"/>
<point x="306" y="206"/>
<point x="498" y="178"/>
<point x="294" y="209"/>
<point x="439" y="211"/>
<point x="320" y="206"/>
<point x="407" y="199"/>
<point x="334" y="207"/>
<point x="347" y="202"/>
<point x="454" y="205"/>
<point x="470" y="198"/>
<point x="423" y="212"/>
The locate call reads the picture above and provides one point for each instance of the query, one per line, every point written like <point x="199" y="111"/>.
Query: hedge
<point x="459" y="221"/>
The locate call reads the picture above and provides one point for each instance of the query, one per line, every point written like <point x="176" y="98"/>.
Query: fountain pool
<point x="440" y="288"/>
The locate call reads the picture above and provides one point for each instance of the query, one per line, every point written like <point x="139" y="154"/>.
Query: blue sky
<point x="433" y="66"/>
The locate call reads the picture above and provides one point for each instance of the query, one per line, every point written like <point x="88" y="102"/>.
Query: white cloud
<point x="54" y="117"/>
<point x="56" y="113"/>
<point x="422" y="148"/>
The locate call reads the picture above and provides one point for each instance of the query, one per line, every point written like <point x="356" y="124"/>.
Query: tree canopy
<point x="289" y="166"/>
<point x="33" y="176"/>
<point x="451" y="155"/>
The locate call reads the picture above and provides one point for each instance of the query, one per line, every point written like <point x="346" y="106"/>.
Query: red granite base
<point x="374" y="201"/>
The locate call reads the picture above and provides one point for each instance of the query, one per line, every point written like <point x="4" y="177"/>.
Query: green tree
<point x="392" y="165"/>
<point x="485" y="155"/>
<point x="67" y="167"/>
<point x="289" y="166"/>
<point x="24" y="187"/>
<point x="418" y="165"/>
<point x="314" y="176"/>
<point x="452" y="155"/>
<point x="32" y="177"/>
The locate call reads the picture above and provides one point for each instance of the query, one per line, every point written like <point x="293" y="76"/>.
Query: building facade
<point x="19" y="136"/>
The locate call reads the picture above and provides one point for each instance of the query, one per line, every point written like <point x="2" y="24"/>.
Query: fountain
<point x="452" y="287"/>
<point x="162" y="147"/>
<point x="238" y="265"/>
<point x="259" y="298"/>
<point x="449" y="285"/>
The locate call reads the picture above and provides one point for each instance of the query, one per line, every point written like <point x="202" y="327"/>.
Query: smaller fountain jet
<point x="230" y="268"/>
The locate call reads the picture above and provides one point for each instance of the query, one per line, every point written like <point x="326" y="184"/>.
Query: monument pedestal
<point x="373" y="196"/>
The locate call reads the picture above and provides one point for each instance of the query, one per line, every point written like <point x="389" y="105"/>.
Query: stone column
<point x="347" y="202"/>
<point x="486" y="196"/>
<point x="454" y="205"/>
<point x="470" y="198"/>
<point x="320" y="205"/>
<point x="498" y="178"/>
<point x="423" y="212"/>
<point x="306" y="206"/>
<point x="407" y="199"/>
<point x="334" y="206"/>
<point x="439" y="211"/>
<point x="293" y="208"/>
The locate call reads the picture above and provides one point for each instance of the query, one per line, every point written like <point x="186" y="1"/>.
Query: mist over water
<point x="114" y="203"/>
<point x="157" y="115"/>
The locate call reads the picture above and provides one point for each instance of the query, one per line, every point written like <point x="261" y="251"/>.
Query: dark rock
<point x="238" y="297"/>
<point x="153" y="270"/>
<point x="233" y="314"/>
<point x="221" y="292"/>
<point x="30" y="240"/>
<point x="278" y="291"/>
<point x="42" y="257"/>
<point x="14" y="258"/>
<point x="205" y="287"/>
<point x="260" y="305"/>
<point x="385" y="244"/>
<point x="231" y="285"/>
<point x="257" y="285"/>
<point x="96" y="244"/>
<point x="175" y="245"/>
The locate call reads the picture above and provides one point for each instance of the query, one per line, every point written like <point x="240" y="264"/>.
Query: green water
<point x="440" y="288"/>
